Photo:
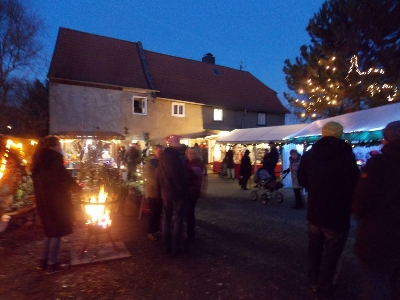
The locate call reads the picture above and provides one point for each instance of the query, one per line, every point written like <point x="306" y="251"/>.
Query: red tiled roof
<point x="85" y="57"/>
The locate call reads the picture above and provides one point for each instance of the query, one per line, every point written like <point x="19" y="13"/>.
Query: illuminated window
<point x="139" y="105"/>
<point x="261" y="119"/>
<point x="178" y="109"/>
<point x="218" y="114"/>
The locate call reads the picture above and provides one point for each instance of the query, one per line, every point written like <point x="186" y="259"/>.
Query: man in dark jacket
<point x="329" y="172"/>
<point x="270" y="160"/>
<point x="245" y="170"/>
<point x="172" y="181"/>
<point x="376" y="206"/>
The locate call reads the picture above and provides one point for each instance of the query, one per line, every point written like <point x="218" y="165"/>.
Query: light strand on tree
<point x="373" y="88"/>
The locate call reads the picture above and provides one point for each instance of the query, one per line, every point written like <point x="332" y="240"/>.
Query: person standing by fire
<point x="52" y="187"/>
<point x="173" y="183"/>
<point x="153" y="193"/>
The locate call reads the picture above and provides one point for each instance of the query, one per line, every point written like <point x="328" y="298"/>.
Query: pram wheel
<point x="254" y="195"/>
<point x="264" y="198"/>
<point x="279" y="197"/>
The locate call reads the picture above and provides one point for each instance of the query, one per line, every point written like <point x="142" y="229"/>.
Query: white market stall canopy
<point x="363" y="125"/>
<point x="260" y="134"/>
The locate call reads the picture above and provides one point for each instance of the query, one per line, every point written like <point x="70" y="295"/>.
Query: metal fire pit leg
<point x="85" y="246"/>
<point x="112" y="241"/>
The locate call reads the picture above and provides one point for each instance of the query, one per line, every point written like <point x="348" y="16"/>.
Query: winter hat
<point x="174" y="140"/>
<point x="332" y="129"/>
<point x="392" y="131"/>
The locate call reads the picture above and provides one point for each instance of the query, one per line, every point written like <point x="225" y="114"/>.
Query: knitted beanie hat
<point x="332" y="129"/>
<point x="392" y="131"/>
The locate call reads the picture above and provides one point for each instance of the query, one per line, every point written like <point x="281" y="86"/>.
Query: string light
<point x="316" y="94"/>
<point x="373" y="88"/>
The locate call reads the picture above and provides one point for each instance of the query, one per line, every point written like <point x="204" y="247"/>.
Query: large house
<point x="110" y="88"/>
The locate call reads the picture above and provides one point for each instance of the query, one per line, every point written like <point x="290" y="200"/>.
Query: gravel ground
<point x="244" y="250"/>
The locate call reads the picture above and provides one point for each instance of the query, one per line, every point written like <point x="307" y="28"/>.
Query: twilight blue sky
<point x="259" y="33"/>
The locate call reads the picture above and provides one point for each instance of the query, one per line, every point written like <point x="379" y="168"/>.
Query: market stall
<point x="254" y="139"/>
<point x="362" y="129"/>
<point x="88" y="153"/>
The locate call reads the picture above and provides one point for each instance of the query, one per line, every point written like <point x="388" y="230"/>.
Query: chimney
<point x="208" y="58"/>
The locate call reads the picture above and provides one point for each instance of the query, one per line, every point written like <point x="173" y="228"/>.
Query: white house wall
<point x="79" y="108"/>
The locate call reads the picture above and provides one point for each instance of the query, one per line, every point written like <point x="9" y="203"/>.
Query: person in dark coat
<point x="376" y="207"/>
<point x="132" y="157"/>
<point x="230" y="164"/>
<point x="204" y="157"/>
<point x="173" y="184"/>
<point x="153" y="195"/>
<point x="195" y="180"/>
<point x="245" y="170"/>
<point x="270" y="161"/>
<point x="121" y="156"/>
<point x="52" y="187"/>
<point x="329" y="172"/>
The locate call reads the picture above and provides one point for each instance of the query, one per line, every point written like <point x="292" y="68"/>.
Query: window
<point x="139" y="105"/>
<point x="178" y="109"/>
<point x="218" y="114"/>
<point x="261" y="119"/>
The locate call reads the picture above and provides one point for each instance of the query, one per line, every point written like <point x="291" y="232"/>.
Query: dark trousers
<point x="245" y="179"/>
<point x="325" y="247"/>
<point x="155" y="212"/>
<point x="172" y="224"/>
<point x="190" y="208"/>
<point x="298" y="199"/>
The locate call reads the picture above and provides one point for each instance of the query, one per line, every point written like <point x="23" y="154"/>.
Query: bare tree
<point x="20" y="46"/>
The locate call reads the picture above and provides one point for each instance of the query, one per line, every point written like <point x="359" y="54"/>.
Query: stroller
<point x="264" y="181"/>
<point x="223" y="169"/>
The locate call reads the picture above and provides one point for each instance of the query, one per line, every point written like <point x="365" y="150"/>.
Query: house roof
<point x="93" y="59"/>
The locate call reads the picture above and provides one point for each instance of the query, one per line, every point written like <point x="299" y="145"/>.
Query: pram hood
<point x="261" y="174"/>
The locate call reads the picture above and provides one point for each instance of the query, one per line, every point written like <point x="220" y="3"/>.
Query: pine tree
<point x="353" y="62"/>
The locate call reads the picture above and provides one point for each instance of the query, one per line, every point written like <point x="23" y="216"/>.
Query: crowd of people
<point x="174" y="180"/>
<point x="328" y="171"/>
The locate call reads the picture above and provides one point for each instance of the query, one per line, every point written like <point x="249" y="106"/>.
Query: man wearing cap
<point x="376" y="207"/>
<point x="172" y="180"/>
<point x="329" y="172"/>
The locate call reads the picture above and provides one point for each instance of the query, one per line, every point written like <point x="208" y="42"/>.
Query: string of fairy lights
<point x="10" y="144"/>
<point x="329" y="95"/>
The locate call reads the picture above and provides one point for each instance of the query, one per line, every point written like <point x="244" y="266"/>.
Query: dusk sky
<point x="261" y="34"/>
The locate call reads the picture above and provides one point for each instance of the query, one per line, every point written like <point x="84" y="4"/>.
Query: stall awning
<point x="260" y="134"/>
<point x="364" y="125"/>
<point x="96" y="135"/>
<point x="201" y="134"/>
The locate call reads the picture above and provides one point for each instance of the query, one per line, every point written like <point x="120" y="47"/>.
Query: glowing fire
<point x="99" y="215"/>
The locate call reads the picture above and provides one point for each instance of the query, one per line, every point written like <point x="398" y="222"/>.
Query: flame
<point x="99" y="215"/>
